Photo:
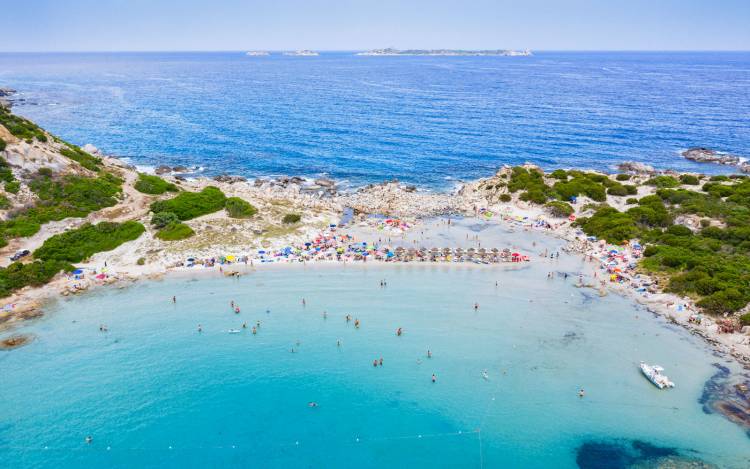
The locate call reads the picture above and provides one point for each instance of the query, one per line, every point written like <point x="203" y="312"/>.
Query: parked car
<point x="20" y="254"/>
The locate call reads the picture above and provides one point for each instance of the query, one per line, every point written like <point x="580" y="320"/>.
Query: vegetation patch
<point x="70" y="196"/>
<point x="83" y="158"/>
<point x="559" y="209"/>
<point x="35" y="274"/>
<point x="153" y="185"/>
<point x="290" y="218"/>
<point x="2" y="144"/>
<point x="175" y="232"/>
<point x="162" y="219"/>
<point x="239" y="208"/>
<point x="80" y="244"/>
<point x="20" y="127"/>
<point x="189" y="205"/>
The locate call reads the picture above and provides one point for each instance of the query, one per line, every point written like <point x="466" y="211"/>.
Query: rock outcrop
<point x="706" y="155"/>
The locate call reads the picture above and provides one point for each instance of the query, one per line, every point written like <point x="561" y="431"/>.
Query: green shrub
<point x="189" y="205"/>
<point x="162" y="219"/>
<point x="505" y="198"/>
<point x="81" y="243"/>
<point x="719" y="178"/>
<point x="83" y="158"/>
<point x="623" y="177"/>
<point x="631" y="201"/>
<point x="4" y="202"/>
<point x="745" y="319"/>
<point x="238" y="208"/>
<point x="141" y="261"/>
<point x="588" y="184"/>
<point x="6" y="174"/>
<point x="534" y="195"/>
<point x="38" y="273"/>
<point x="13" y="187"/>
<point x="610" y="224"/>
<point x="20" y="127"/>
<point x="46" y="172"/>
<point x="559" y="209"/>
<point x="530" y="181"/>
<point x="618" y="190"/>
<point x="689" y="179"/>
<point x="663" y="182"/>
<point x="175" y="232"/>
<point x="2" y="144"/>
<point x="153" y="185"/>
<point x="290" y="218"/>
<point x="559" y="174"/>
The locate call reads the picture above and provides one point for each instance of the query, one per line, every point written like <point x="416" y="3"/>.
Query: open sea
<point x="155" y="392"/>
<point x="431" y="121"/>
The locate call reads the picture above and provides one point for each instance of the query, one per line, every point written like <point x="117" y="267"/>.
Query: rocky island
<point x="302" y="53"/>
<point x="449" y="52"/>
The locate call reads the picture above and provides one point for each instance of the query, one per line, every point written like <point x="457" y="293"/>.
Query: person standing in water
<point x="434" y="378"/>
<point x="174" y="299"/>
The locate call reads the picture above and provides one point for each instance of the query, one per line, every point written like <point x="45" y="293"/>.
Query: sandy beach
<point x="390" y="215"/>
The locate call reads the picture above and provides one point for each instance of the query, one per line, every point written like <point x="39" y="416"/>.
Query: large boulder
<point x="163" y="169"/>
<point x="89" y="148"/>
<point x="635" y="167"/>
<point x="706" y="155"/>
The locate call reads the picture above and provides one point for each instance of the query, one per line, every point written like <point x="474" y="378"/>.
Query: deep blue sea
<point x="426" y="120"/>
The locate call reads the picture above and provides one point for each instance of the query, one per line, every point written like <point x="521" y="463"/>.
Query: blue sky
<point x="102" y="25"/>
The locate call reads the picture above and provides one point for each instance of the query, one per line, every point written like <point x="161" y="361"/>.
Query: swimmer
<point x="356" y="323"/>
<point x="268" y="311"/>
<point x="200" y="328"/>
<point x="89" y="439"/>
<point x="231" y="304"/>
<point x="325" y="315"/>
<point x="304" y="303"/>
<point x="255" y="331"/>
<point x="257" y="323"/>
<point x="485" y="375"/>
<point x="338" y="343"/>
<point x="312" y="404"/>
<point x="398" y="332"/>
<point x="581" y="393"/>
<point x="476" y="306"/>
<point x="348" y="318"/>
<point x="174" y="299"/>
<point x="381" y="361"/>
<point x="375" y="362"/>
<point x="237" y="310"/>
<point x="419" y="361"/>
<point x="434" y="378"/>
<point x="244" y="325"/>
<point x="429" y="354"/>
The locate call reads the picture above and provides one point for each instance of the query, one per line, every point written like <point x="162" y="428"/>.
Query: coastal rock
<point x="325" y="182"/>
<point x="163" y="169"/>
<point x="258" y="182"/>
<point x="15" y="341"/>
<point x="706" y="155"/>
<point x="4" y="91"/>
<point x="229" y="179"/>
<point x="89" y="148"/>
<point x="410" y="188"/>
<point x="296" y="180"/>
<point x="180" y="169"/>
<point x="636" y="167"/>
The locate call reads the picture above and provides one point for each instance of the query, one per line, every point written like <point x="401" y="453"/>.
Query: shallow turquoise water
<point x="153" y="391"/>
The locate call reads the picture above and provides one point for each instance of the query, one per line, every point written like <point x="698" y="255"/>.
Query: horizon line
<point x="209" y="51"/>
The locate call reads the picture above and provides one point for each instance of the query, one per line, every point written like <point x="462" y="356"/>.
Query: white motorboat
<point x="653" y="373"/>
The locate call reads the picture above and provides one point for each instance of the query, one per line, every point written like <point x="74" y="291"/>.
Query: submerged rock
<point x="325" y="182"/>
<point x="728" y="396"/>
<point x="632" y="454"/>
<point x="15" y="341"/>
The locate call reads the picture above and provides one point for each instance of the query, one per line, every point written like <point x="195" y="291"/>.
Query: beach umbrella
<point x="78" y="272"/>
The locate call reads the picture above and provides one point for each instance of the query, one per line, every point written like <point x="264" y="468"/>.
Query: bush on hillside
<point x="689" y="179"/>
<point x="162" y="219"/>
<point x="239" y="208"/>
<point x="559" y="209"/>
<point x="20" y="127"/>
<point x="83" y="158"/>
<point x="153" y="185"/>
<point x="189" y="205"/>
<point x="175" y="232"/>
<point x="12" y="187"/>
<point x="38" y="273"/>
<point x="81" y="243"/>
<point x="290" y="218"/>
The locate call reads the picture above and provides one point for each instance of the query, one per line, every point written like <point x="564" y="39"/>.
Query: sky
<point x="198" y="25"/>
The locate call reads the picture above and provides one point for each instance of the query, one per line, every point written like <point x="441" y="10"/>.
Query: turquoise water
<point x="153" y="391"/>
<point x="426" y="120"/>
